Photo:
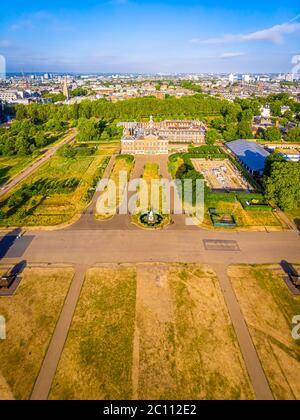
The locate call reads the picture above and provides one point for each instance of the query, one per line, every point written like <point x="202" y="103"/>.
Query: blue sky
<point x="150" y="36"/>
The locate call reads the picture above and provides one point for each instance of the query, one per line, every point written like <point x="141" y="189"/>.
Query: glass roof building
<point x="251" y="155"/>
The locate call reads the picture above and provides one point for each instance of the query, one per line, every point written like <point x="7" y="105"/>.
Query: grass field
<point x="174" y="166"/>
<point x="124" y="164"/>
<point x="187" y="345"/>
<point x="269" y="307"/>
<point x="227" y="203"/>
<point x="31" y="315"/>
<point x="11" y="166"/>
<point x="56" y="208"/>
<point x="151" y="196"/>
<point x="150" y="175"/>
<point x="97" y="359"/>
<point x="294" y="215"/>
<point x="151" y="331"/>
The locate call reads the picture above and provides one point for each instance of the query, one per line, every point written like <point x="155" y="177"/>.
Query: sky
<point x="150" y="36"/>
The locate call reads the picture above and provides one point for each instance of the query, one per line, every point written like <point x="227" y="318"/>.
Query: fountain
<point x="151" y="219"/>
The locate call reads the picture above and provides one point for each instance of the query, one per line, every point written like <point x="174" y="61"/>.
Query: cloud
<point x="4" y="43"/>
<point x="275" y="34"/>
<point x="48" y="20"/>
<point x="22" y="24"/>
<point x="228" y="55"/>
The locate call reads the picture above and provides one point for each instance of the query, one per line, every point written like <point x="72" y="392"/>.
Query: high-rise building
<point x="231" y="78"/>
<point x="246" y="78"/>
<point x="66" y="89"/>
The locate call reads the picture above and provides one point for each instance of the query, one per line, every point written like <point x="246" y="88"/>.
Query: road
<point x="92" y="246"/>
<point x="28" y="171"/>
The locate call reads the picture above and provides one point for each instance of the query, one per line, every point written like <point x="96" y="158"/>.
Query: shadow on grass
<point x="3" y="175"/>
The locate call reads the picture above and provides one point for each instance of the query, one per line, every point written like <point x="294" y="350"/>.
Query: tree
<point x="293" y="135"/>
<point x="289" y="115"/>
<point x="276" y="109"/>
<point x="54" y="125"/>
<point x="246" y="116"/>
<point x="23" y="144"/>
<point x="230" y="133"/>
<point x="218" y="123"/>
<point x="67" y="151"/>
<point x="88" y="130"/>
<point x="282" y="185"/>
<point x="40" y="140"/>
<point x="212" y="136"/>
<point x="78" y="92"/>
<point x="244" y="130"/>
<point x="273" y="157"/>
<point x="231" y="112"/>
<point x="273" y="134"/>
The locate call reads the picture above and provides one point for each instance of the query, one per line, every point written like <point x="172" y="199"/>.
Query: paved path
<point x="28" y="171"/>
<point x="44" y="380"/>
<point x="256" y="373"/>
<point x="287" y="220"/>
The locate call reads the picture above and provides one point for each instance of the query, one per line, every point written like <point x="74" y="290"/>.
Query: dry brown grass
<point x="31" y="316"/>
<point x="187" y="346"/>
<point x="269" y="307"/>
<point x="151" y="331"/>
<point x="97" y="360"/>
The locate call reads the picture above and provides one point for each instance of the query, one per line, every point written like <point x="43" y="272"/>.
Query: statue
<point x="151" y="217"/>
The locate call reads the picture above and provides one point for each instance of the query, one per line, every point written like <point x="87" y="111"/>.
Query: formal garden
<point x="57" y="191"/>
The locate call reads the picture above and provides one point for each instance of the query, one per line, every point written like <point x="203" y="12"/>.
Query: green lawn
<point x="228" y="204"/>
<point x="151" y="173"/>
<point x="11" y="166"/>
<point x="31" y="315"/>
<point x="124" y="164"/>
<point x="174" y="166"/>
<point x="49" y="209"/>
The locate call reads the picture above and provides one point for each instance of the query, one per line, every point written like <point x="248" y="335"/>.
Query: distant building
<point x="265" y="112"/>
<point x="251" y="155"/>
<point x="289" y="151"/>
<point x="246" y="78"/>
<point x="231" y="78"/>
<point x="145" y="144"/>
<point x="66" y="89"/>
<point x="175" y="131"/>
<point x="9" y="96"/>
<point x="290" y="155"/>
<point x="284" y="109"/>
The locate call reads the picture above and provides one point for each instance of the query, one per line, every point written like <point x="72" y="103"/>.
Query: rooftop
<point x="251" y="154"/>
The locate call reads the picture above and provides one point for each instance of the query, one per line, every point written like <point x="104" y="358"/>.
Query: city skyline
<point x="149" y="37"/>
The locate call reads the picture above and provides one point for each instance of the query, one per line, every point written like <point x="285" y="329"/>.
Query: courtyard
<point x="221" y="175"/>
